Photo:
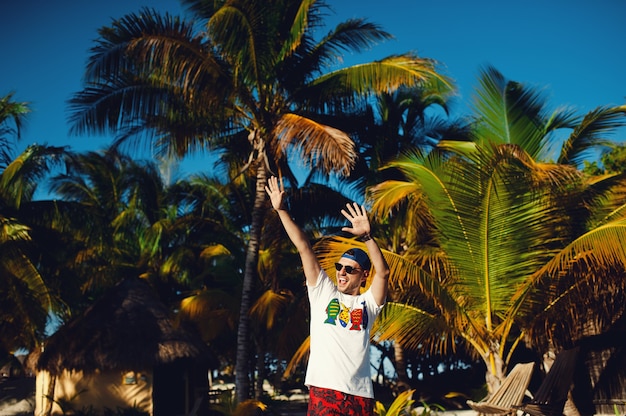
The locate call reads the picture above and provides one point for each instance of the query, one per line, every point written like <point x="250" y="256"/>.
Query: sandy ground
<point x="21" y="408"/>
<point x="17" y="398"/>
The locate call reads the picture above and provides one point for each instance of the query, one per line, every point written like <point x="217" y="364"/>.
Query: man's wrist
<point x="365" y="237"/>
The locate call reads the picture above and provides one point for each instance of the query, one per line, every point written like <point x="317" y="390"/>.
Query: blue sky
<point x="574" y="51"/>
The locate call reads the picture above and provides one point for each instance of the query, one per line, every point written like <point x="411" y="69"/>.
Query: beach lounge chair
<point x="550" y="398"/>
<point x="509" y="394"/>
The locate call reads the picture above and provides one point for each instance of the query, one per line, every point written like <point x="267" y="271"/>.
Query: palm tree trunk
<point x="50" y="395"/>
<point x="242" y="366"/>
<point x="260" y="369"/>
<point x="400" y="364"/>
<point x="495" y="370"/>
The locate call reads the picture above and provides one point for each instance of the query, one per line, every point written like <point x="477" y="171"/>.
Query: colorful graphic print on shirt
<point x="337" y="311"/>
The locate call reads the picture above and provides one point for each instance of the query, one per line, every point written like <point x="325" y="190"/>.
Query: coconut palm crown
<point x="25" y="290"/>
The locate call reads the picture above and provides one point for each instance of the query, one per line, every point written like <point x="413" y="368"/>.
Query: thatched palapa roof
<point x="129" y="328"/>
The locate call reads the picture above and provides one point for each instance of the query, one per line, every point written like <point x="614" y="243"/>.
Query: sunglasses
<point x="349" y="269"/>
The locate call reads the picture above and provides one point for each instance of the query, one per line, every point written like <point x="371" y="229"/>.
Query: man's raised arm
<point x="310" y="264"/>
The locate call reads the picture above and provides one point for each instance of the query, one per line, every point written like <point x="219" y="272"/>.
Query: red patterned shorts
<point x="326" y="402"/>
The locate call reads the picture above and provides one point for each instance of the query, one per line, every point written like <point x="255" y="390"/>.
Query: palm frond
<point x="137" y="33"/>
<point x="508" y="112"/>
<point x="102" y="108"/>
<point x="383" y="76"/>
<point x="318" y="145"/>
<point x="312" y="57"/>
<point x="584" y="263"/>
<point x="18" y="266"/>
<point x="402" y="403"/>
<point x="588" y="135"/>
<point x="299" y="357"/>
<point x="239" y="31"/>
<point x="298" y="29"/>
<point x="12" y="117"/>
<point x="269" y="306"/>
<point x="12" y="111"/>
<point x="22" y="176"/>
<point x="425" y="177"/>
<point x="354" y="35"/>
<point x="505" y="236"/>
<point x="213" y="309"/>
<point x="171" y="69"/>
<point x="413" y="328"/>
<point x="600" y="246"/>
<point x="201" y="8"/>
<point x="214" y="250"/>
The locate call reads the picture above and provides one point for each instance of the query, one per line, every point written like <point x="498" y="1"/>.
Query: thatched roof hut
<point x="131" y="338"/>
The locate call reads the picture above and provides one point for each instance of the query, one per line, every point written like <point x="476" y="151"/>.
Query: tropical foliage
<point x="256" y="83"/>
<point x="400" y="406"/>
<point x="496" y="237"/>
<point x="26" y="293"/>
<point x="510" y="243"/>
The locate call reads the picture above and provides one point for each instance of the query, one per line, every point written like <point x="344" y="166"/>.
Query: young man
<point x="338" y="373"/>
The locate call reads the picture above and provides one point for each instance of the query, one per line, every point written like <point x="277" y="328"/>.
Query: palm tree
<point x="408" y="119"/>
<point x="26" y="293"/>
<point x="119" y="220"/>
<point x="12" y="117"/>
<point x="254" y="83"/>
<point x="220" y="213"/>
<point x="100" y="207"/>
<point x="500" y="254"/>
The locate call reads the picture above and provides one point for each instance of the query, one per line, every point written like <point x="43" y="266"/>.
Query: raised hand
<point x="276" y="193"/>
<point x="357" y="215"/>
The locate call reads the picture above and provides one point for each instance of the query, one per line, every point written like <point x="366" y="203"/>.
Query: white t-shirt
<point x="340" y="332"/>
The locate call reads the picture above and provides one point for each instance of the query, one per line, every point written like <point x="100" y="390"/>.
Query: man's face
<point x="350" y="283"/>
